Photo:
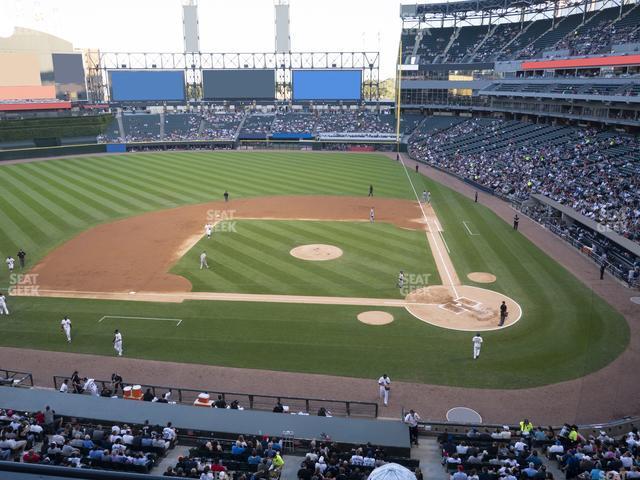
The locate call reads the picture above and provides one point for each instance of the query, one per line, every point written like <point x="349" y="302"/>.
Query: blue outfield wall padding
<point x="116" y="148"/>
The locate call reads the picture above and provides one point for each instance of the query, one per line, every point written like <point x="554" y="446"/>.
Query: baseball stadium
<point x="227" y="257"/>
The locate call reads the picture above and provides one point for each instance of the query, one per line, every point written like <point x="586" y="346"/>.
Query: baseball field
<point x="115" y="242"/>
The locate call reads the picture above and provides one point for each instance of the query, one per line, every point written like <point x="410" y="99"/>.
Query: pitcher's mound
<point x="316" y="252"/>
<point x="375" y="317"/>
<point x="481" y="277"/>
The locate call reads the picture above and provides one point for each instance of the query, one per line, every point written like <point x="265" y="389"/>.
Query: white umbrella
<point x="392" y="471"/>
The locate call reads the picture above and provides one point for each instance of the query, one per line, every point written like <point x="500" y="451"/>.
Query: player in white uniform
<point x="203" y="260"/>
<point x="401" y="279"/>
<point x="117" y="342"/>
<point x="65" y="326"/>
<point x="208" y="229"/>
<point x="3" y="305"/>
<point x="477" y="344"/>
<point x="10" y="263"/>
<point x="384" y="385"/>
<point x="372" y="215"/>
<point x="426" y="196"/>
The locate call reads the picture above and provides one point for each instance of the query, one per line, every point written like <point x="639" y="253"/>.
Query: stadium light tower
<point x="190" y="26"/>
<point x="283" y="38"/>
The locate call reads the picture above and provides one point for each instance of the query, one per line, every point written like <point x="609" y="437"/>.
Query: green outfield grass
<point x="316" y="339"/>
<point x="566" y="331"/>
<point x="254" y="258"/>
<point x="44" y="203"/>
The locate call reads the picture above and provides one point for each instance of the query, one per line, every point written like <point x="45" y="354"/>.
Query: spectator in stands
<point x="459" y="474"/>
<point x="254" y="458"/>
<point x="279" y="408"/>
<point x="31" y="457"/>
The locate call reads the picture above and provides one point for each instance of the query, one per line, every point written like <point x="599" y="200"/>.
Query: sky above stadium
<point x="225" y="25"/>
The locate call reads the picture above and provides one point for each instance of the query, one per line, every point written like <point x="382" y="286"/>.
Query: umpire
<point x="21" y="257"/>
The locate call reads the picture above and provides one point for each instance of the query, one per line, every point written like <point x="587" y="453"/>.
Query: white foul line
<point x="464" y="222"/>
<point x="424" y="215"/>
<point x="443" y="241"/>
<point x="143" y="318"/>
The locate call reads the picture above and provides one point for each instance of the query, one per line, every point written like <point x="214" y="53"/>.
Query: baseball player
<point x="384" y="385"/>
<point x="426" y="196"/>
<point x="401" y="279"/>
<point x="10" y="263"/>
<point x="21" y="256"/>
<point x="477" y="344"/>
<point x="203" y="260"/>
<point x="65" y="326"/>
<point x="503" y="313"/>
<point x="3" y="305"/>
<point x="117" y="342"/>
<point x="372" y="215"/>
<point x="208" y="229"/>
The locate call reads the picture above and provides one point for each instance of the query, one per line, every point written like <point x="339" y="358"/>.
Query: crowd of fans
<point x="181" y="126"/>
<point x="247" y="458"/>
<point x="618" y="261"/>
<point x="500" y="454"/>
<point x="230" y="125"/>
<point x="41" y="438"/>
<point x="596" y="36"/>
<point x="220" y="126"/>
<point x="583" y="172"/>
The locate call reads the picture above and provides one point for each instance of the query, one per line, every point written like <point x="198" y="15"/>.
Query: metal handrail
<point x="14" y="378"/>
<point x="347" y="408"/>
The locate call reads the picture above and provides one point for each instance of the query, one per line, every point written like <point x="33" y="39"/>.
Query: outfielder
<point x="117" y="342"/>
<point x="372" y="215"/>
<point x="10" y="263"/>
<point x="3" y="305"/>
<point x="401" y="279"/>
<point x="203" y="260"/>
<point x="426" y="196"/>
<point x="477" y="344"/>
<point x="65" y="326"/>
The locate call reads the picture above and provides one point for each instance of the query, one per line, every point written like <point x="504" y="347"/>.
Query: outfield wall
<point x="23" y="153"/>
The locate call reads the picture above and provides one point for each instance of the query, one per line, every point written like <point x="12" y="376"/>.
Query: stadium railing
<point x="613" y="428"/>
<point x="187" y="396"/>
<point x="12" y="378"/>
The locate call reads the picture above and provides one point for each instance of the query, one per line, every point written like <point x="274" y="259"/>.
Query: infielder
<point x="117" y="342"/>
<point x="10" y="263"/>
<point x="3" y="305"/>
<point x="65" y="326"/>
<point x="372" y="215"/>
<point x="401" y="279"/>
<point x="208" y="229"/>
<point x="477" y="344"/>
<point x="384" y="385"/>
<point x="203" y="260"/>
<point x="426" y="196"/>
